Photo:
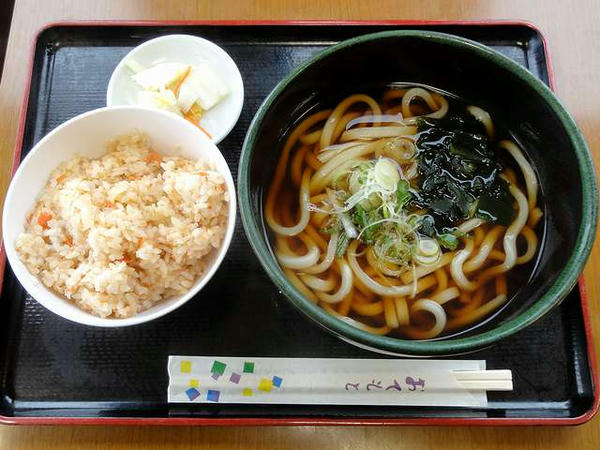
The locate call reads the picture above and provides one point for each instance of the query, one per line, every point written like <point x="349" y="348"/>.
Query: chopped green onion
<point x="348" y="225"/>
<point x="428" y="247"/>
<point x="448" y="241"/>
<point x="427" y="260"/>
<point x="403" y="194"/>
<point x="333" y="226"/>
<point x="428" y="252"/>
<point x="353" y="183"/>
<point x="342" y="245"/>
<point x="386" y="212"/>
<point x="366" y="222"/>
<point x="386" y="173"/>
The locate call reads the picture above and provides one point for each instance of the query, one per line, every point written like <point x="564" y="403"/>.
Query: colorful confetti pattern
<point x="213" y="396"/>
<point x="218" y="369"/>
<point x="192" y="393"/>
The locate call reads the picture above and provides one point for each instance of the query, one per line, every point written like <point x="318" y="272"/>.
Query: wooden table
<point x="573" y="33"/>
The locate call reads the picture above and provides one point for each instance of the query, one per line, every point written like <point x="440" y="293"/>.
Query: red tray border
<point x="299" y="421"/>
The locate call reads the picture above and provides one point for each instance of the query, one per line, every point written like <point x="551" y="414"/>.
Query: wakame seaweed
<point x="458" y="175"/>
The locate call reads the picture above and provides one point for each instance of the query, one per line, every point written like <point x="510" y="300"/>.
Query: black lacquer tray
<point x="55" y="371"/>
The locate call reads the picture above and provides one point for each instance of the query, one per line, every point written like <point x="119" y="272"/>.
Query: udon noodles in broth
<point x="401" y="216"/>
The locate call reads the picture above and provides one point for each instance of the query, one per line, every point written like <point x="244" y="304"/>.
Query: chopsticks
<point x="334" y="381"/>
<point x="490" y="380"/>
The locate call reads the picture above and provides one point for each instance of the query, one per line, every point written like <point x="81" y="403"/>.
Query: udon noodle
<point x="357" y="211"/>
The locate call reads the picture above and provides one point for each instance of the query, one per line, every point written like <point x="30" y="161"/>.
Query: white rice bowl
<point x="118" y="238"/>
<point x="118" y="234"/>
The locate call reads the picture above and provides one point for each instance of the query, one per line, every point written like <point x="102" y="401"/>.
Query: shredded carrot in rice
<point x="126" y="259"/>
<point x="154" y="156"/>
<point x="43" y="220"/>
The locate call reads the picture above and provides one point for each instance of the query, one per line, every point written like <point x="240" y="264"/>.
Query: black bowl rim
<point x="565" y="281"/>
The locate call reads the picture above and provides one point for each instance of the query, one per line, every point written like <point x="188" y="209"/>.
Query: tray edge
<point x="291" y="421"/>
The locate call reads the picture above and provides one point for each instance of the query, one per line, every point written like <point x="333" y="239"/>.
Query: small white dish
<point x="86" y="135"/>
<point x="183" y="48"/>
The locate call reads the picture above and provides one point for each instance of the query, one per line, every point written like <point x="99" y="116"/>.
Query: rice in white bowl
<point x="119" y="233"/>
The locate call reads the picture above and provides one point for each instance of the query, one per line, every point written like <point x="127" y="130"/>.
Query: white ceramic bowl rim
<point x="55" y="303"/>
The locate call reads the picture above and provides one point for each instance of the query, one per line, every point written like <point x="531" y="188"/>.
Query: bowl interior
<point x="219" y="121"/>
<point x="87" y="135"/>
<point x="515" y="100"/>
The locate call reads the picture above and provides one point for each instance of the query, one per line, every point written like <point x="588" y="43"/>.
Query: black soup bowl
<point x="516" y="99"/>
